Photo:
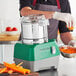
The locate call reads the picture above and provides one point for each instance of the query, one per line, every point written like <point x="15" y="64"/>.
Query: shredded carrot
<point x="68" y="50"/>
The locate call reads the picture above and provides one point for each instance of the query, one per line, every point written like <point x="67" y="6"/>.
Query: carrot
<point x="14" y="64"/>
<point x="3" y="70"/>
<point x="71" y="28"/>
<point x="10" y="71"/>
<point x="68" y="50"/>
<point x="16" y="69"/>
<point x="19" y="64"/>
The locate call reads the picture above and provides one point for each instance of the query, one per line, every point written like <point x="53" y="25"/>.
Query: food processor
<point x="35" y="50"/>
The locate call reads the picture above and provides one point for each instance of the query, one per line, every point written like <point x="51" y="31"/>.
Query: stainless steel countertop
<point x="67" y="67"/>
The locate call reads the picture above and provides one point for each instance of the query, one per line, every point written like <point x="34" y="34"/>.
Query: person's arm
<point x="65" y="34"/>
<point x="28" y="11"/>
<point x="66" y="37"/>
<point x="66" y="17"/>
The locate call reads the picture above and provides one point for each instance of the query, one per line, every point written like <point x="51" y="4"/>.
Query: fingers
<point x="70" y="22"/>
<point x="73" y="22"/>
<point x="67" y="24"/>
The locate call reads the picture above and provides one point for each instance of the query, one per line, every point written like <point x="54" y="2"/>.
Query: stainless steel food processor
<point x="36" y="51"/>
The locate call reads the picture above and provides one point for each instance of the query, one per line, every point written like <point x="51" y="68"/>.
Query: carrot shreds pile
<point x="10" y="68"/>
<point x="68" y="50"/>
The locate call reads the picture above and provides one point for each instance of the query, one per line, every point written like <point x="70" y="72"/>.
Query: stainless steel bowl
<point x="67" y="55"/>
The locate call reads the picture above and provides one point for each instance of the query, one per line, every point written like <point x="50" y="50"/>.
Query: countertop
<point x="67" y="67"/>
<point x="9" y="39"/>
<point x="5" y="37"/>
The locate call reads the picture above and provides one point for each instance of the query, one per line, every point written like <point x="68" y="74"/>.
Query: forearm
<point x="66" y="37"/>
<point x="28" y="11"/>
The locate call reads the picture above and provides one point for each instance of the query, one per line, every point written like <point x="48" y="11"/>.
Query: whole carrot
<point x="16" y="68"/>
<point x="3" y="70"/>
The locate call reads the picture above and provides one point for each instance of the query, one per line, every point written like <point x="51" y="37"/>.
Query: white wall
<point x="73" y="9"/>
<point x="9" y="13"/>
<point x="73" y="5"/>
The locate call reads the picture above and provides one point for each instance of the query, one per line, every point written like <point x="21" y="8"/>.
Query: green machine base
<point x="38" y="56"/>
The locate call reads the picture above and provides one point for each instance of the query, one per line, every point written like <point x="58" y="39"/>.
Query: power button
<point x="53" y="49"/>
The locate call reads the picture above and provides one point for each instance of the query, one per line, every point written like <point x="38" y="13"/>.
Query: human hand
<point x="66" y="17"/>
<point x="72" y="43"/>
